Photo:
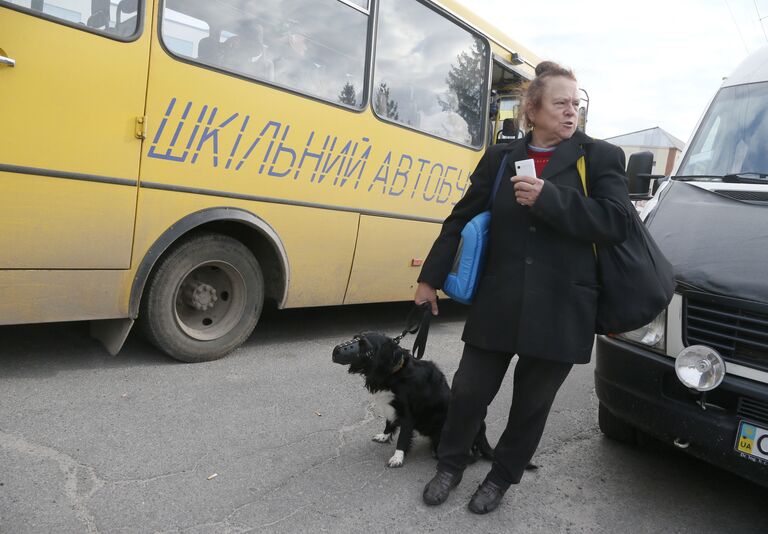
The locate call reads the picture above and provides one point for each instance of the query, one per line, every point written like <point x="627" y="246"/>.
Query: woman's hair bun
<point x="548" y="67"/>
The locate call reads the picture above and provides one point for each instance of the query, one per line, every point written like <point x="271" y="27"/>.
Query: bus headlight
<point x="651" y="335"/>
<point x="700" y="367"/>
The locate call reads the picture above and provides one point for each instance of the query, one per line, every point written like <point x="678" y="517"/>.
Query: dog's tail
<point x="481" y="447"/>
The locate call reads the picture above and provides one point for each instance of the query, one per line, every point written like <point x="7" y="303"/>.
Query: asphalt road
<point x="276" y="438"/>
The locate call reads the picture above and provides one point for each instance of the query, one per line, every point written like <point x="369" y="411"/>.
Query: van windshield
<point x="733" y="137"/>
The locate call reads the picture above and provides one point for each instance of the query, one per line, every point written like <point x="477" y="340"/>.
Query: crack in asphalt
<point x="72" y="470"/>
<point x="305" y="437"/>
<point x="158" y="477"/>
<point x="367" y="418"/>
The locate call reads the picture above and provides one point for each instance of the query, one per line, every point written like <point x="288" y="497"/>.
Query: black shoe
<point x="486" y="498"/>
<point x="436" y="491"/>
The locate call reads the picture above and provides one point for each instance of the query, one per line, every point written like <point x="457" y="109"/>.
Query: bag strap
<point x="497" y="182"/>
<point x="581" y="166"/>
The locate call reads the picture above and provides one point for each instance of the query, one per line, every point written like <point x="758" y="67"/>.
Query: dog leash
<point x="417" y="323"/>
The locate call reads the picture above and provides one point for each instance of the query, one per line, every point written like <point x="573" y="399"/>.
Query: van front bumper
<point x="641" y="388"/>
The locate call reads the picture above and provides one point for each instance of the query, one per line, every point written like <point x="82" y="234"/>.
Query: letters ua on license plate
<point x="752" y="442"/>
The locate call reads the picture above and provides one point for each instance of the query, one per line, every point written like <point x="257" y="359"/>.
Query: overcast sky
<point x="644" y="64"/>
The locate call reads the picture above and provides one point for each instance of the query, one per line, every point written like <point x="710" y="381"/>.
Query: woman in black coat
<point x="537" y="296"/>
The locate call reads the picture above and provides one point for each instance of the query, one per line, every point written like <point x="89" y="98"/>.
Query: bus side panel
<point x="383" y="269"/>
<point x="64" y="224"/>
<point x="40" y="296"/>
<point x="319" y="243"/>
<point x="68" y="142"/>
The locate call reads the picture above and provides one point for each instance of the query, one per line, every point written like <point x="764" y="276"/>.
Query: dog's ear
<point x="400" y="352"/>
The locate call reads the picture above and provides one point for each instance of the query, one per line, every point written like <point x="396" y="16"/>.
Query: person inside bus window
<point x="209" y="49"/>
<point x="293" y="65"/>
<point x="537" y="296"/>
<point x="247" y="54"/>
<point x="233" y="53"/>
<point x="260" y="66"/>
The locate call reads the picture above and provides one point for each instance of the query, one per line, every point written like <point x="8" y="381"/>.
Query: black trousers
<point x="475" y="384"/>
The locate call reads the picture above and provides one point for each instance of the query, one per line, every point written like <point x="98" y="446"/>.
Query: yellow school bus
<point x="178" y="162"/>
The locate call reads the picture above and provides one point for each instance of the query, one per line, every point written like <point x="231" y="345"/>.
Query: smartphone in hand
<point x="525" y="167"/>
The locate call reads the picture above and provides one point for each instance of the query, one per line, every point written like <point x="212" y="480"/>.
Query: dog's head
<point x="370" y="353"/>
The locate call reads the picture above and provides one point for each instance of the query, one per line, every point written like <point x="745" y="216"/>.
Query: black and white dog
<point x="412" y="394"/>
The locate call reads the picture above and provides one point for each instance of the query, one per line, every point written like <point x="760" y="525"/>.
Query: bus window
<point x="316" y="47"/>
<point x="113" y="17"/>
<point x="430" y="74"/>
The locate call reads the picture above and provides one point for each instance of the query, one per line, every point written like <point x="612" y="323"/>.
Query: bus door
<point x="506" y="84"/>
<point x="72" y="86"/>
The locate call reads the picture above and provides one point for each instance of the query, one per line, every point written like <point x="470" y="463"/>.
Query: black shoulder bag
<point x="636" y="280"/>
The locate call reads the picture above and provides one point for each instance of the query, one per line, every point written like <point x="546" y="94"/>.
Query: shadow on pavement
<point x="46" y="349"/>
<point x="343" y="321"/>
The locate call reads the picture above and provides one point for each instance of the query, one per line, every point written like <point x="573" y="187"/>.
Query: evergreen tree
<point x="385" y="105"/>
<point x="465" y="80"/>
<point x="348" y="95"/>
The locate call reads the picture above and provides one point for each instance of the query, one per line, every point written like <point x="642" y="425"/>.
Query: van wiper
<point x="746" y="178"/>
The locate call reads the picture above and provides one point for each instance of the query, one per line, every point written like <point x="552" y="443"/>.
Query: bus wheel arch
<point x="250" y="251"/>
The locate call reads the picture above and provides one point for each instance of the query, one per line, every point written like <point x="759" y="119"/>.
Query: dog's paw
<point x="397" y="459"/>
<point x="382" y="438"/>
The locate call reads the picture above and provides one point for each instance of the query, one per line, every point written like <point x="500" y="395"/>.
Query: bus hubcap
<point x="210" y="300"/>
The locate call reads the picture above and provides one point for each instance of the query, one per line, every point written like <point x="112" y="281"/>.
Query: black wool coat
<point x="538" y="292"/>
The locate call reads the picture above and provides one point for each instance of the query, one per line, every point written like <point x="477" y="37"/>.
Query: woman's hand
<point x="426" y="293"/>
<point x="527" y="189"/>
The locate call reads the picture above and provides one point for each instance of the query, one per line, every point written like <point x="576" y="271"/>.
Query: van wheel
<point x="203" y="299"/>
<point x="615" y="428"/>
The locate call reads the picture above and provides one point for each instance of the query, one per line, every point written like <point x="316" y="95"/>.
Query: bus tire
<point x="203" y="299"/>
<point x="614" y="428"/>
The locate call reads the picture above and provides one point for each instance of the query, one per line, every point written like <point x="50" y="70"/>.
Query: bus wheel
<point x="203" y="299"/>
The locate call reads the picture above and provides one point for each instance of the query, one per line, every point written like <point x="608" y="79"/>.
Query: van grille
<point x="746" y="196"/>
<point x="753" y="409"/>
<point x="737" y="329"/>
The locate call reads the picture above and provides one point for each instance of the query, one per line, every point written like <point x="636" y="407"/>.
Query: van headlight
<point x="651" y="335"/>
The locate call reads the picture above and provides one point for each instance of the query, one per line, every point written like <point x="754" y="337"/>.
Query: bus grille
<point x="738" y="330"/>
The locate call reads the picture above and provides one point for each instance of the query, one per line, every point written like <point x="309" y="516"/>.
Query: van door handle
<point x="7" y="61"/>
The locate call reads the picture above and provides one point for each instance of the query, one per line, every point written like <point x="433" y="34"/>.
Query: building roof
<point x="650" y="138"/>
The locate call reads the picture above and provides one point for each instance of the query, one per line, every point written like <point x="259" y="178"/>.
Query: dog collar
<point x="399" y="365"/>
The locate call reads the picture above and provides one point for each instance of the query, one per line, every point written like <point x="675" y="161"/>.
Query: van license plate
<point x="752" y="442"/>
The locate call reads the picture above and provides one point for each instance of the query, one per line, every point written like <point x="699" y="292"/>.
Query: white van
<point x="697" y="376"/>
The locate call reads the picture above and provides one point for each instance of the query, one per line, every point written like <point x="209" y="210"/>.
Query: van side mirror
<point x="639" y="169"/>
